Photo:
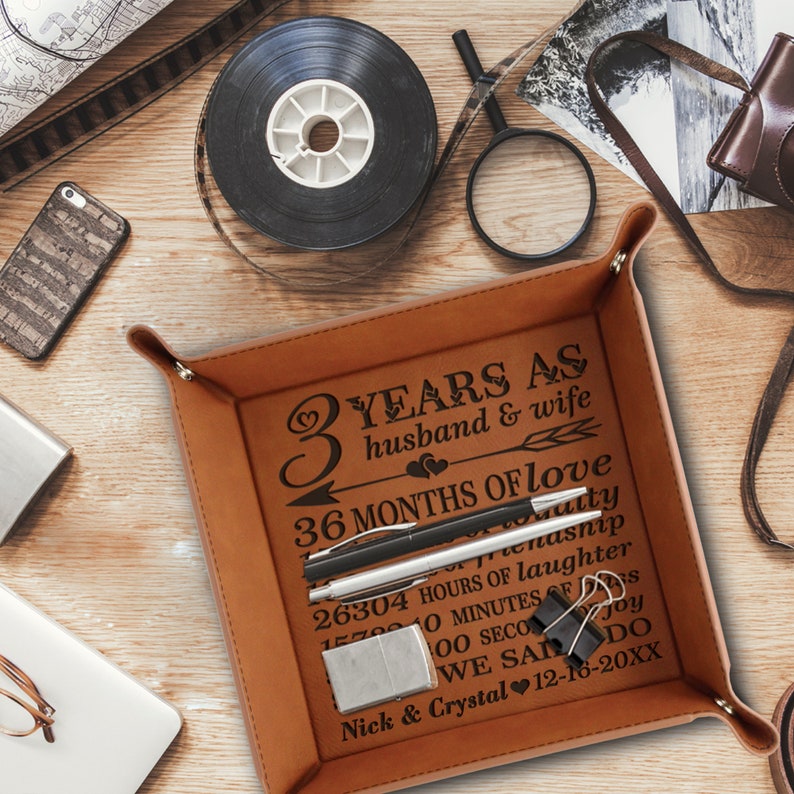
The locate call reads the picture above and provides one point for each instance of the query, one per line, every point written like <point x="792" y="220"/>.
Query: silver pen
<point x="383" y="544"/>
<point x="400" y="575"/>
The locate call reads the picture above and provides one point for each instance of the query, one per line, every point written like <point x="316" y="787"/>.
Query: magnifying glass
<point x="531" y="193"/>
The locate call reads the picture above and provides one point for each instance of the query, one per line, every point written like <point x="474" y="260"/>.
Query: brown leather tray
<point x="425" y="410"/>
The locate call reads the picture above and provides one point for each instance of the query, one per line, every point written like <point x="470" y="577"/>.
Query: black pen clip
<point x="331" y="550"/>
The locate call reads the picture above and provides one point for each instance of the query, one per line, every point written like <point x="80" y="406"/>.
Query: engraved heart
<point x="520" y="686"/>
<point x="500" y="381"/>
<point x="357" y="403"/>
<point x="392" y="412"/>
<point x="435" y="466"/>
<point x="306" y="420"/>
<point x="416" y="469"/>
<point x="425" y="466"/>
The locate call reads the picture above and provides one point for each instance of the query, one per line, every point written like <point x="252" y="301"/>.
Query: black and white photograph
<point x="673" y="113"/>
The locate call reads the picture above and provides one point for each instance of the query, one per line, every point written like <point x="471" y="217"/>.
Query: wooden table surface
<point x="112" y="551"/>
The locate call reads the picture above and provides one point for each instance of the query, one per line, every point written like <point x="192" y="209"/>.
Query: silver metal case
<point x="29" y="457"/>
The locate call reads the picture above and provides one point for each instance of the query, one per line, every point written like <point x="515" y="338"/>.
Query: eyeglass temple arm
<point x="43" y="711"/>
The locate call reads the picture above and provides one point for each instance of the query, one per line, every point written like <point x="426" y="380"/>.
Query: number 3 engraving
<point x="310" y="420"/>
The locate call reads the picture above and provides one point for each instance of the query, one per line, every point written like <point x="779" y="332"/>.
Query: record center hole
<point x="323" y="135"/>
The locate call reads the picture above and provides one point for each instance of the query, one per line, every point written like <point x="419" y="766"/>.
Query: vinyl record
<point x="376" y="111"/>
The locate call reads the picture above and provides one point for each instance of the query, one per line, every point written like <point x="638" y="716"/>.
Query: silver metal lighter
<point x="381" y="668"/>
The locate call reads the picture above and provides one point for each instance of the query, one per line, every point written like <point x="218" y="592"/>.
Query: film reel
<point x="377" y="121"/>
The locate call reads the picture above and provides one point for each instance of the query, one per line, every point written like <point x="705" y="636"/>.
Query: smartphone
<point x="55" y="266"/>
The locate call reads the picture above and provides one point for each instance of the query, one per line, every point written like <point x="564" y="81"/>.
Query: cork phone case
<point x="54" y="267"/>
<point x="428" y="409"/>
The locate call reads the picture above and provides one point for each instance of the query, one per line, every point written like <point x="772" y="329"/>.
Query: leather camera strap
<point x="764" y="417"/>
<point x="784" y="368"/>
<point x="87" y="117"/>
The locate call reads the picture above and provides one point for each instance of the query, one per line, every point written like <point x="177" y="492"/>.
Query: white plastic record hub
<point x="298" y="111"/>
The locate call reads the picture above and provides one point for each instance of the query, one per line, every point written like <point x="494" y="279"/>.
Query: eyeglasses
<point x="23" y="714"/>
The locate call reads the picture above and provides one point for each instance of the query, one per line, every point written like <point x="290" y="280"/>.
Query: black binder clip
<point x="568" y="626"/>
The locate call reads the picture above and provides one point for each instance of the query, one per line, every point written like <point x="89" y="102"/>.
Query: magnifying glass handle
<point x="473" y="66"/>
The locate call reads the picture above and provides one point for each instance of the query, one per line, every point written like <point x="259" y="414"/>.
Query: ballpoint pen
<point x="399" y="539"/>
<point x="401" y="575"/>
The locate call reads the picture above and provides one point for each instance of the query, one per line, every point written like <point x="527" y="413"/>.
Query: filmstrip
<point x="35" y="147"/>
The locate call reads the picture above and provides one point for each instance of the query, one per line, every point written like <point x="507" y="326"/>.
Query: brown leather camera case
<point x="757" y="146"/>
<point x="424" y="410"/>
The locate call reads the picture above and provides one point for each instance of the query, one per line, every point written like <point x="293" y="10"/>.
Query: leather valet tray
<point x="425" y="410"/>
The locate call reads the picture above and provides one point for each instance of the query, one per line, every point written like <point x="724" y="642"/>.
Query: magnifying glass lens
<point x="531" y="195"/>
